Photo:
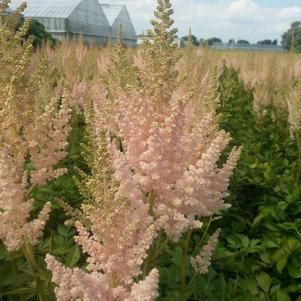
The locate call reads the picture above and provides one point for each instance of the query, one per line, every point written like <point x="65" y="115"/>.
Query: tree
<point x="268" y="42"/>
<point x="190" y="39"/>
<point x="202" y="42"/>
<point x="231" y="42"/>
<point x="291" y="39"/>
<point x="212" y="41"/>
<point x="38" y="33"/>
<point x="194" y="39"/>
<point x="243" y="42"/>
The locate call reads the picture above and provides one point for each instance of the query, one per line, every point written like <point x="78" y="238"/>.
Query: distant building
<point x="142" y="37"/>
<point x="75" y="18"/>
<point x="118" y="15"/>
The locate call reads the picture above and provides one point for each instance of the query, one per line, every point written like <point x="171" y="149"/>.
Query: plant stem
<point x="150" y="261"/>
<point x="182" y="271"/>
<point x="298" y="139"/>
<point x="30" y="258"/>
<point x="15" y="269"/>
<point x="203" y="236"/>
<point x="207" y="229"/>
<point x="29" y="191"/>
<point x="151" y="201"/>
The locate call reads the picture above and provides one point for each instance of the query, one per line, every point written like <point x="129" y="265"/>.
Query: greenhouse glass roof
<point x="47" y="8"/>
<point x="112" y="11"/>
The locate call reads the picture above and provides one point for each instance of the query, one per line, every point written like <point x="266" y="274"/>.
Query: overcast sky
<point x="245" y="19"/>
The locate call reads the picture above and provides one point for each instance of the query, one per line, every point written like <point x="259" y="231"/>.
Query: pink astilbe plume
<point x="202" y="262"/>
<point x="170" y="146"/>
<point x="15" y="208"/>
<point x="44" y="143"/>
<point x="33" y="137"/>
<point x="74" y="284"/>
<point x="154" y="164"/>
<point x="115" y="232"/>
<point x="174" y="155"/>
<point x="47" y="141"/>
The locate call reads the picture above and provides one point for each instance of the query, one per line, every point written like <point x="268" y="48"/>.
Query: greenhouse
<point x="118" y="15"/>
<point x="75" y="18"/>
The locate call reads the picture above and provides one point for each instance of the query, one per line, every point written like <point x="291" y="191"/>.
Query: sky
<point x="252" y="20"/>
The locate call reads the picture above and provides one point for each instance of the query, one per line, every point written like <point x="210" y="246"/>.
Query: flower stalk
<point x="36" y="270"/>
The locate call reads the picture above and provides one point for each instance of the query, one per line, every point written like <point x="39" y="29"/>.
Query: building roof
<point x="47" y="8"/>
<point x="111" y="11"/>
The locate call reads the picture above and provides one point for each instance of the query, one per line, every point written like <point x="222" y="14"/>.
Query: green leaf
<point x="270" y="244"/>
<point x="251" y="285"/>
<point x="62" y="230"/>
<point x="261" y="216"/>
<point x="7" y="275"/>
<point x="281" y="263"/>
<point x="293" y="244"/>
<point x="264" y="281"/>
<point x="294" y="271"/>
<point x="283" y="296"/>
<point x="19" y="291"/>
<point x="73" y="257"/>
<point x="245" y="241"/>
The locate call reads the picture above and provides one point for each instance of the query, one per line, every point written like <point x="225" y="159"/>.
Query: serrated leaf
<point x="251" y="285"/>
<point x="293" y="244"/>
<point x="294" y="271"/>
<point x="73" y="257"/>
<point x="245" y="241"/>
<point x="281" y="263"/>
<point x="264" y="281"/>
<point x="62" y="230"/>
<point x="283" y="296"/>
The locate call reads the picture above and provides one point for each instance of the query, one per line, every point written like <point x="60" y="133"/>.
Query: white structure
<point x="118" y="15"/>
<point x="74" y="18"/>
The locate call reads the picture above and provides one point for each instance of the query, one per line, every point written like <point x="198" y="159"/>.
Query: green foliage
<point x="260" y="245"/>
<point x="268" y="42"/>
<point x="191" y="39"/>
<point x="37" y="33"/>
<point x="211" y="41"/>
<point x="243" y="42"/>
<point x="291" y="39"/>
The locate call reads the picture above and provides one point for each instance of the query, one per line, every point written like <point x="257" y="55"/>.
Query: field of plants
<point x="147" y="174"/>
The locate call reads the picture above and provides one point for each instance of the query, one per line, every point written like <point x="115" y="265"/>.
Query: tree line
<point x="290" y="40"/>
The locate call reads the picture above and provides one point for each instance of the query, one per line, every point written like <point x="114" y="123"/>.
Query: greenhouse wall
<point x="129" y="33"/>
<point x="89" y="21"/>
<point x="53" y="25"/>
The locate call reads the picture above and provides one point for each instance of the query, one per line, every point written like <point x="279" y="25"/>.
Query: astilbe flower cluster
<point x="200" y="75"/>
<point x="174" y="160"/>
<point x="115" y="230"/>
<point x="154" y="167"/>
<point x="170" y="149"/>
<point x="268" y="75"/>
<point x="32" y="139"/>
<point x="201" y="262"/>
